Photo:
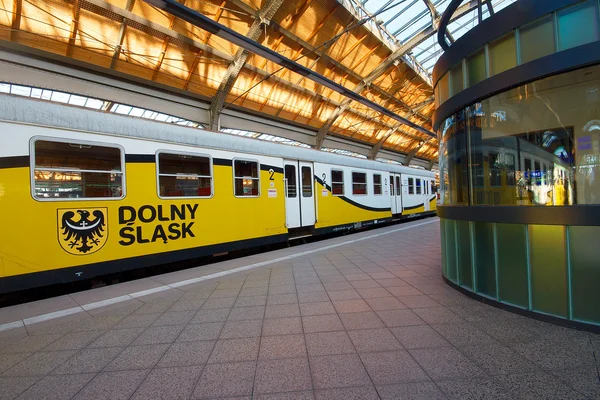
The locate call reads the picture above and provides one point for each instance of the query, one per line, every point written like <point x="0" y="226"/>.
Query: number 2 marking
<point x="324" y="179"/>
<point x="271" y="172"/>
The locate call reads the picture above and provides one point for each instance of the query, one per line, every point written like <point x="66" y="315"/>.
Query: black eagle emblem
<point x="85" y="231"/>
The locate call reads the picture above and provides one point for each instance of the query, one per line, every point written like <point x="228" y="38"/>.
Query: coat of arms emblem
<point x="82" y="231"/>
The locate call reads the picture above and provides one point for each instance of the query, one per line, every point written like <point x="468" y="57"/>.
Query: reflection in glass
<point x="290" y="177"/>
<point x="76" y="185"/>
<point x="535" y="145"/>
<point x="184" y="175"/>
<point x="503" y="54"/>
<point x="337" y="182"/>
<point x="577" y="25"/>
<point x="359" y="183"/>
<point x="475" y="68"/>
<point x="75" y="171"/>
<point x="453" y="161"/>
<point x="306" y="182"/>
<point x="377" y="184"/>
<point x="534" y="39"/>
<point x="443" y="88"/>
<point x="456" y="79"/>
<point x="246" y="178"/>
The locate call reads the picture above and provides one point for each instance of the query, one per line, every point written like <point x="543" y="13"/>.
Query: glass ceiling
<point x="401" y="20"/>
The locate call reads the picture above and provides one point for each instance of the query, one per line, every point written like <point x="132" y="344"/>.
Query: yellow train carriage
<point x="84" y="193"/>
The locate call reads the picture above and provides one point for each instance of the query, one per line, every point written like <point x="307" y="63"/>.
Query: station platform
<point x="361" y="316"/>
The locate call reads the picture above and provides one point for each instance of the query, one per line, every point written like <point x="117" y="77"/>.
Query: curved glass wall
<point x="535" y="145"/>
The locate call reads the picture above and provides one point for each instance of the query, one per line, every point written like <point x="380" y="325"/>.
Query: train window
<point x="537" y="173"/>
<point x="527" y="171"/>
<point x="494" y="164"/>
<point x="433" y="188"/>
<point x="337" y="182"/>
<point x="527" y="164"/>
<point x="391" y="185"/>
<point x="184" y="175"/>
<point x="247" y="179"/>
<point x="359" y="183"/>
<point x="290" y="177"/>
<point x="411" y="186"/>
<point x="377" y="184"/>
<point x="425" y="187"/>
<point x="418" y="186"/>
<point x="510" y="170"/>
<point x="67" y="170"/>
<point x="398" y="186"/>
<point x="306" y="182"/>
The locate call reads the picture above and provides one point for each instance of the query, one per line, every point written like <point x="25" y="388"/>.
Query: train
<point x="84" y="193"/>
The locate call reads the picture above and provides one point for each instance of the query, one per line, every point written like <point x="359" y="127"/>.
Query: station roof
<point x="382" y="50"/>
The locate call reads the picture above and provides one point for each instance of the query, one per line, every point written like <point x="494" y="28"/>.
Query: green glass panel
<point x="456" y="79"/>
<point x="476" y="68"/>
<point x="585" y="272"/>
<point x="443" y="243"/>
<point x="443" y="89"/>
<point x="484" y="258"/>
<point x="512" y="264"/>
<point x="577" y="25"/>
<point x="537" y="39"/>
<point x="548" y="269"/>
<point x="463" y="246"/>
<point x="502" y="54"/>
<point x="450" y="251"/>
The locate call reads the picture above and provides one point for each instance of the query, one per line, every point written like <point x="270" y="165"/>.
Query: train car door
<point x="292" y="201"/>
<point x="307" y="196"/>
<point x="299" y="194"/>
<point x="398" y="185"/>
<point x="426" y="188"/>
<point x="393" y="194"/>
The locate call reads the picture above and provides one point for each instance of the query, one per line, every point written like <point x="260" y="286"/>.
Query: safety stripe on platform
<point x="132" y="296"/>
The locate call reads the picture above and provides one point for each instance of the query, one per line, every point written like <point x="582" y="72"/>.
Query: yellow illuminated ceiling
<point x="134" y="38"/>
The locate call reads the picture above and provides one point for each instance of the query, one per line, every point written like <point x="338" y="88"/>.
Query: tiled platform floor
<point x="368" y="320"/>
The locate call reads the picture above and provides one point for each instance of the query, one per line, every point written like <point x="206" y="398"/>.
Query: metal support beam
<point x="199" y="53"/>
<point x="74" y="27"/>
<point x="490" y="7"/>
<point x="163" y="50"/>
<point x="435" y="19"/>
<point x="430" y="165"/>
<point x="375" y="150"/>
<point x="414" y="152"/>
<point x="452" y="13"/>
<point x="423" y="103"/>
<point x="106" y="107"/>
<point x="16" y="19"/>
<point x="263" y="16"/>
<point x="121" y="36"/>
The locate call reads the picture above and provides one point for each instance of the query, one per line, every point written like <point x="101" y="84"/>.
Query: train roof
<point x="39" y="112"/>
